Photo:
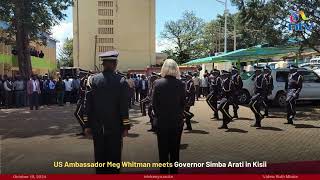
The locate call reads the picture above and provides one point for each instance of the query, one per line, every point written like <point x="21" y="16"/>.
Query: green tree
<point x="66" y="54"/>
<point x="271" y="20"/>
<point x="28" y="21"/>
<point x="185" y="34"/>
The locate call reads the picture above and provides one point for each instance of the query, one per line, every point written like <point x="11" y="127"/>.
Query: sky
<point x="166" y="10"/>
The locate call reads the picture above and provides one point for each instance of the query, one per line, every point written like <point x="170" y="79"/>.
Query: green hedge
<point x="38" y="63"/>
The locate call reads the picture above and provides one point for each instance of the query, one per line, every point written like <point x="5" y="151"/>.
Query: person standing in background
<point x="68" y="89"/>
<point x="204" y="85"/>
<point x="60" y="89"/>
<point x="19" y="89"/>
<point x="143" y="86"/>
<point x="137" y="83"/>
<point x="52" y="86"/>
<point x="75" y="89"/>
<point x="1" y="92"/>
<point x="33" y="89"/>
<point x="131" y="91"/>
<point x="8" y="87"/>
<point x="169" y="100"/>
<point x="196" y="82"/>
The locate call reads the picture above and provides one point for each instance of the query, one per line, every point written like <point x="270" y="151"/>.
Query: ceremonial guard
<point x="260" y="91"/>
<point x="238" y="84"/>
<point x="190" y="99"/>
<point x="269" y="80"/>
<point x="293" y="87"/>
<point x="226" y="94"/>
<point x="80" y="112"/>
<point x="215" y="92"/>
<point x="108" y="113"/>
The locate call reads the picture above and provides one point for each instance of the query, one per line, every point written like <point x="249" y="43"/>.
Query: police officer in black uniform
<point x="260" y="91"/>
<point x="190" y="99"/>
<point x="293" y="87"/>
<point x="227" y="89"/>
<point x="269" y="80"/>
<point x="215" y="92"/>
<point x="238" y="84"/>
<point x="108" y="114"/>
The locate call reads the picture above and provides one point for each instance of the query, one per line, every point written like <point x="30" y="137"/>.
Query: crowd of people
<point x="17" y="91"/>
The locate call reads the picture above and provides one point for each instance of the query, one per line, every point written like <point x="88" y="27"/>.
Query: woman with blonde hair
<point x="168" y="101"/>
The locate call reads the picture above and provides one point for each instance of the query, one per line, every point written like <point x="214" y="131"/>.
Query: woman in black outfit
<point x="168" y="103"/>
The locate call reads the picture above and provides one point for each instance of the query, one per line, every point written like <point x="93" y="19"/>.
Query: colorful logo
<point x="297" y="25"/>
<point x="295" y="17"/>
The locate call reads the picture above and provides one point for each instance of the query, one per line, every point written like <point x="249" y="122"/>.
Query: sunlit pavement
<point x="31" y="141"/>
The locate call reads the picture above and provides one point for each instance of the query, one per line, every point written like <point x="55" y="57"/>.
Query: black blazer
<point x="169" y="100"/>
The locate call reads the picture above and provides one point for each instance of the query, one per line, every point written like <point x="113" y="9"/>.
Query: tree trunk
<point x="22" y="40"/>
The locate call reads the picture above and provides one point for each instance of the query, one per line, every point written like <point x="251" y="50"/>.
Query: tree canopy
<point x="30" y="20"/>
<point x="66" y="54"/>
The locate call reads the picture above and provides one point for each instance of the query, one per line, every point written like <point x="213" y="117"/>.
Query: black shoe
<point x="188" y="129"/>
<point x="223" y="127"/>
<point x="289" y="122"/>
<point x="80" y="134"/>
<point x="151" y="130"/>
<point x="255" y="125"/>
<point x="144" y="114"/>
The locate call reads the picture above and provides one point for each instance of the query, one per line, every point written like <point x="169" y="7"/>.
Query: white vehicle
<point x="310" y="90"/>
<point x="315" y="60"/>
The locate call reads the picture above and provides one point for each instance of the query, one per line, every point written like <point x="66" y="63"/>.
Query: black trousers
<point x="189" y="115"/>
<point x="34" y="100"/>
<point x="235" y="103"/>
<point x="224" y="108"/>
<point x="79" y="114"/>
<point x="212" y="101"/>
<point x="107" y="148"/>
<point x="169" y="148"/>
<point x="255" y="105"/>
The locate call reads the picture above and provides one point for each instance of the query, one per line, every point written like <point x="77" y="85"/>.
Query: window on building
<point x="105" y="12"/>
<point x="105" y="3"/>
<point x="105" y="48"/>
<point x="105" y="30"/>
<point x="105" y="40"/>
<point x="105" y="21"/>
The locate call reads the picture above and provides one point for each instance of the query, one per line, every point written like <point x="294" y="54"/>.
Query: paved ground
<point x="32" y="141"/>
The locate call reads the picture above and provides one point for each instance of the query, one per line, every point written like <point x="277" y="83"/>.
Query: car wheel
<point x="244" y="97"/>
<point x="281" y="99"/>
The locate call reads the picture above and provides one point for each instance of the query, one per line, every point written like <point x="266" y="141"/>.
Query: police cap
<point x="109" y="56"/>
<point x="224" y="72"/>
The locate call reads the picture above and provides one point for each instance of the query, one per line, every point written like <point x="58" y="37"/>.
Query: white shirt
<point x="143" y="85"/>
<point x="68" y="85"/>
<point x="34" y="86"/>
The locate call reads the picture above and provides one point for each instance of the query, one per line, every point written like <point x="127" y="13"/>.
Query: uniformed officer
<point x="108" y="114"/>
<point x="238" y="84"/>
<point x="260" y="91"/>
<point x="293" y="87"/>
<point x="269" y="80"/>
<point x="215" y="92"/>
<point x="190" y="99"/>
<point x="80" y="112"/>
<point x="227" y="89"/>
